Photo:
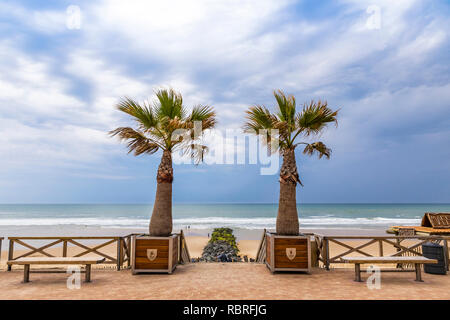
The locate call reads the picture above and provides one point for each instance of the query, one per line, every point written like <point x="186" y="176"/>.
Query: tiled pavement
<point x="224" y="281"/>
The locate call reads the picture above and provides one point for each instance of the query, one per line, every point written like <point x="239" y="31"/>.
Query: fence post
<point x="10" y="253"/>
<point x="129" y="251"/>
<point x="380" y="247"/>
<point x="122" y="247"/>
<point x="119" y="253"/>
<point x="180" y="246"/>
<point x="327" y="253"/>
<point x="65" y="248"/>
<point x="398" y="242"/>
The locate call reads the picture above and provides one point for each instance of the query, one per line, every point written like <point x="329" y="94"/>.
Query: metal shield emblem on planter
<point x="291" y="253"/>
<point x="152" y="254"/>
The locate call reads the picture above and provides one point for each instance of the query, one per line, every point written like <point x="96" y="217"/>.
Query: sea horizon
<point x="201" y="203"/>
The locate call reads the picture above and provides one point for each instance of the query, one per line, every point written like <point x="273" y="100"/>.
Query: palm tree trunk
<point x="161" y="220"/>
<point x="287" y="219"/>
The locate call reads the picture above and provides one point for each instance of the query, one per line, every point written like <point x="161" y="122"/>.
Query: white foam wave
<point x="260" y="223"/>
<point x="211" y="222"/>
<point x="121" y="222"/>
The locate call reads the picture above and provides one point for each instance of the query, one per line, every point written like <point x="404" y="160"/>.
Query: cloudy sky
<point x="384" y="63"/>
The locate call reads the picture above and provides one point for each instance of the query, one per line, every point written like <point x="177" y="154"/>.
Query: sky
<point x="65" y="64"/>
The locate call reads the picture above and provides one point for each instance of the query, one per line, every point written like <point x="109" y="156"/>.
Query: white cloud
<point x="431" y="38"/>
<point x="41" y="121"/>
<point x="176" y="30"/>
<point x="28" y="87"/>
<point x="43" y="21"/>
<point x="229" y="54"/>
<point x="197" y="38"/>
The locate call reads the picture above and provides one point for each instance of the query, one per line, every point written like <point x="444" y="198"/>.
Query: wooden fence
<point x="354" y="245"/>
<point x="261" y="253"/>
<point x="183" y="252"/>
<point x="121" y="256"/>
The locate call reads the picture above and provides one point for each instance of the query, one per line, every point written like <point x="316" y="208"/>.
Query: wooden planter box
<point x="288" y="253"/>
<point x="154" y="254"/>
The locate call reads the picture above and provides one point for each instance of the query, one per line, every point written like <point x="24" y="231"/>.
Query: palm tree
<point x="158" y="128"/>
<point x="289" y="126"/>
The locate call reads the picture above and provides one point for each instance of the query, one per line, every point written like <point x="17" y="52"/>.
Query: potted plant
<point x="166" y="126"/>
<point x="286" y="249"/>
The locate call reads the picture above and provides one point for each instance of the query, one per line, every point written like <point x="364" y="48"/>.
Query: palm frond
<point x="261" y="122"/>
<point x="170" y="104"/>
<point x="259" y="118"/>
<point x="286" y="106"/>
<point x="158" y="122"/>
<point x="317" y="147"/>
<point x="205" y="114"/>
<point x="173" y="124"/>
<point x="143" y="114"/>
<point x="315" y="116"/>
<point x="137" y="141"/>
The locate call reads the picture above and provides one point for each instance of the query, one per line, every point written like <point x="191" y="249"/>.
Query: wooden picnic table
<point x="26" y="262"/>
<point x="416" y="260"/>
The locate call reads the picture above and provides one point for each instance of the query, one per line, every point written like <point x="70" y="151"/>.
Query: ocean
<point x="207" y="216"/>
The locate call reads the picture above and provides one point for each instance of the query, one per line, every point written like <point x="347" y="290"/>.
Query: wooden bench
<point x="416" y="260"/>
<point x="26" y="262"/>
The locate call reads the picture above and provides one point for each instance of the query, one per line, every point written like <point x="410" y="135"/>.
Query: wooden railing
<point x="261" y="253"/>
<point x="122" y="255"/>
<point x="183" y="253"/>
<point x="126" y="251"/>
<point x="395" y="243"/>
<point x="1" y="240"/>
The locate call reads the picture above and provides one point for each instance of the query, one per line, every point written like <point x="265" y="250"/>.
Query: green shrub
<point x="224" y="234"/>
